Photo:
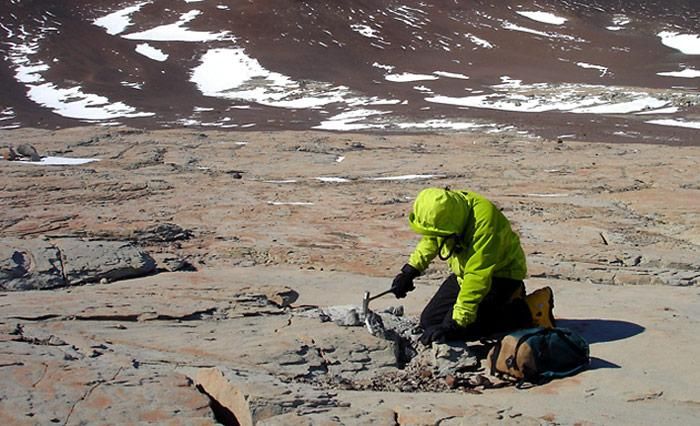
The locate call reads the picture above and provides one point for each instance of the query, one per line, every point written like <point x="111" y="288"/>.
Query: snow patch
<point x="640" y="104"/>
<point x="619" y="21"/>
<point x="686" y="73"/>
<point x="676" y="123"/>
<point x="151" y="52"/>
<point x="137" y="86"/>
<point x="117" y="22"/>
<point x="544" y="17"/>
<point x="508" y="83"/>
<point x="512" y="95"/>
<point x="178" y="32"/>
<point x="61" y="161"/>
<point x="603" y="70"/>
<point x="231" y="74"/>
<point x="69" y="102"/>
<point x="479" y="41"/>
<point x="451" y="75"/>
<point x="333" y="179"/>
<point x="513" y="27"/>
<point x="349" y="120"/>
<point x="423" y="89"/>
<point x="686" y="43"/>
<point x="74" y="103"/>
<point x="389" y="68"/>
<point x="669" y="110"/>
<point x="407" y="77"/>
<point x="441" y="124"/>
<point x="410" y="16"/>
<point x="6" y="115"/>
<point x="366" y="31"/>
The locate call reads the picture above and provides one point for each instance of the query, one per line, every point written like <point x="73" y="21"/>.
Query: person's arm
<point x="475" y="281"/>
<point x="424" y="253"/>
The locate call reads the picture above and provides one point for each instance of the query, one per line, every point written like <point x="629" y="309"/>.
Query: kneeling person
<point x="485" y="293"/>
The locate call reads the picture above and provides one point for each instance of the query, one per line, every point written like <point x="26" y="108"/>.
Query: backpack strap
<point x="526" y="336"/>
<point x="494" y="358"/>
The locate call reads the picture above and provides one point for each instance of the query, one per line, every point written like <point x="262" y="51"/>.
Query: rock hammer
<point x="366" y="299"/>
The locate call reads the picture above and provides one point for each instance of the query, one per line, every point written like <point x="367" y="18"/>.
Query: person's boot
<point x="541" y="304"/>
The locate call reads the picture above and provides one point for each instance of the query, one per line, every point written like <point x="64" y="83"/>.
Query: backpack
<point x="538" y="355"/>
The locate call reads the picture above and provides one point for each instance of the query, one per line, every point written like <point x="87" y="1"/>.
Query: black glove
<point x="447" y="330"/>
<point x="403" y="282"/>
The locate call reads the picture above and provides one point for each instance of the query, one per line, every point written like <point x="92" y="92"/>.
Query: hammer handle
<point x="379" y="295"/>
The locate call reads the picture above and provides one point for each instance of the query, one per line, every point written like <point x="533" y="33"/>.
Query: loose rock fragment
<point x="28" y="151"/>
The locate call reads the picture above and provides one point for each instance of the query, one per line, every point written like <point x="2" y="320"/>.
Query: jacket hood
<point x="438" y="212"/>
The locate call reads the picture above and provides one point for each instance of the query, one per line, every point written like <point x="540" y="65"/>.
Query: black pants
<point x="498" y="312"/>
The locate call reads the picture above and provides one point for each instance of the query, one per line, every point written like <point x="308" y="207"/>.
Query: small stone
<point x="281" y="297"/>
<point x="26" y="150"/>
<point x="450" y="381"/>
<point x="55" y="341"/>
<point x="477" y="380"/>
<point x="104" y="281"/>
<point x="352" y="318"/>
<point x="395" y="310"/>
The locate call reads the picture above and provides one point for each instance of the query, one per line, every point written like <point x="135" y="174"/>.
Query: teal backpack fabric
<point x="538" y="355"/>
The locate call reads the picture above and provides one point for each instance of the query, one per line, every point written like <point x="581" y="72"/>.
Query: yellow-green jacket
<point x="489" y="247"/>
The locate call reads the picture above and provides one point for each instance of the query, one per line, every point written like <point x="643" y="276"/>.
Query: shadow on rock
<point x="597" y="363"/>
<point x="602" y="330"/>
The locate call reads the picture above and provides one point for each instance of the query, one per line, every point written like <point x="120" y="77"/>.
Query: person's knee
<point x="441" y="304"/>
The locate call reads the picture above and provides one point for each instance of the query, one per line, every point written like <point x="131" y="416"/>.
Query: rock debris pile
<point x="441" y="367"/>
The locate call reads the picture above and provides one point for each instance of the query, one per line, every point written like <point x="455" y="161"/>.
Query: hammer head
<point x="365" y="304"/>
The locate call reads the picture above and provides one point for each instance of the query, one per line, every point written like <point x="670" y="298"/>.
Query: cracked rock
<point x="90" y="261"/>
<point x="453" y="357"/>
<point x="253" y="397"/>
<point x="37" y="264"/>
<point x="29" y="264"/>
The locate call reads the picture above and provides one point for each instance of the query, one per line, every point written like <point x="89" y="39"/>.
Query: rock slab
<point x="29" y="264"/>
<point x="38" y="264"/>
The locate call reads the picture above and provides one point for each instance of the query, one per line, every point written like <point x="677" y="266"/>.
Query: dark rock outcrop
<point x="163" y="233"/>
<point x="39" y="264"/>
